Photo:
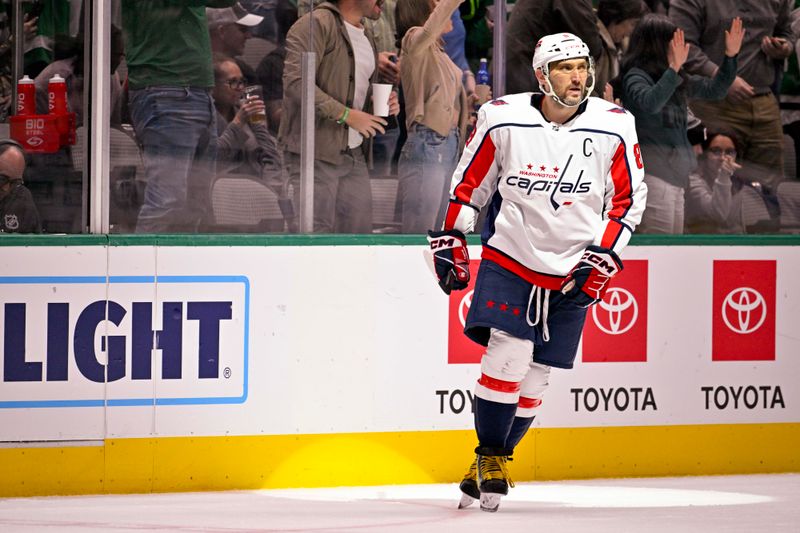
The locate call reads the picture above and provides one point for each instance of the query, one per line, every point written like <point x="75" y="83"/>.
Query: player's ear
<point x="544" y="83"/>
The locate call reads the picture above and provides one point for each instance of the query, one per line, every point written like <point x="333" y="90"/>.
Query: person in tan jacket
<point x="437" y="112"/>
<point x="346" y="61"/>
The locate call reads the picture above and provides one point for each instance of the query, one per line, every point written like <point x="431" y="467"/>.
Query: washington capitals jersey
<point x="552" y="189"/>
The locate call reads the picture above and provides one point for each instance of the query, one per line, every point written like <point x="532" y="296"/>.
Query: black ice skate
<point x="469" y="486"/>
<point x="493" y="480"/>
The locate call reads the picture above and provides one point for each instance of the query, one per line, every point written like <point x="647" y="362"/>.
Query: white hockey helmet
<point x="558" y="47"/>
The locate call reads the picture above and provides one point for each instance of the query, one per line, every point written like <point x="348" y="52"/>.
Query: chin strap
<point x="548" y="90"/>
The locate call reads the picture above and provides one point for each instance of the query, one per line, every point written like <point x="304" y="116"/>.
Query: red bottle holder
<point x="43" y="133"/>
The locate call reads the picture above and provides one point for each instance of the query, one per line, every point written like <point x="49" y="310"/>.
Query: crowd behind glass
<point x="205" y="109"/>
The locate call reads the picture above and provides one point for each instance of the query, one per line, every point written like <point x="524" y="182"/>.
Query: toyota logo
<point x="747" y="309"/>
<point x="617" y="313"/>
<point x="463" y="307"/>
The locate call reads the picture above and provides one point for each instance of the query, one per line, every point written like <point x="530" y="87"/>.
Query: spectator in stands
<point x="454" y="41"/>
<point x="244" y="145"/>
<point x="270" y="70"/>
<point x="436" y="119"/>
<point x="170" y="77"/>
<point x="659" y="7"/>
<point x="30" y="26"/>
<point x="751" y="108"/>
<point x="345" y="68"/>
<point x="790" y="100"/>
<point x="478" y="20"/>
<point x="533" y="19"/>
<point x="229" y="29"/>
<point x="268" y="10"/>
<point x="385" y="145"/>
<point x="69" y="56"/>
<point x="655" y="90"/>
<point x="709" y="197"/>
<point x="18" y="213"/>
<point x="615" y="22"/>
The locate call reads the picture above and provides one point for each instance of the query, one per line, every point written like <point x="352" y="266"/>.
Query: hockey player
<point x="561" y="173"/>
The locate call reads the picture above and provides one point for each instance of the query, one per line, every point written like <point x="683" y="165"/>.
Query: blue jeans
<point x="176" y="129"/>
<point x="383" y="150"/>
<point x="425" y="169"/>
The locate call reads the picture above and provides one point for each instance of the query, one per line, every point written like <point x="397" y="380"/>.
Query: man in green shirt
<point x="170" y="77"/>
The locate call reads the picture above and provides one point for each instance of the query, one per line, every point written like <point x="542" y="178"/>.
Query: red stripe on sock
<point x="528" y="403"/>
<point x="498" y="384"/>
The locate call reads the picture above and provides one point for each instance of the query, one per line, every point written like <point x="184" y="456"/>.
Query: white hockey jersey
<point x="553" y="189"/>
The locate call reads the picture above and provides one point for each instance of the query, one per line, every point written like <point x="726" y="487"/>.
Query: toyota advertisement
<point x="135" y="341"/>
<point x="667" y="346"/>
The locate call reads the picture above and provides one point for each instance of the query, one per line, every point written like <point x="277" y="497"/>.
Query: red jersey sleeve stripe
<point x="611" y="234"/>
<point x="621" y="177"/>
<point x="453" y="209"/>
<point x="476" y="170"/>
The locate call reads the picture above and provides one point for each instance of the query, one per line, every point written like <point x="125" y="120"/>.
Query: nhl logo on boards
<point x="11" y="222"/>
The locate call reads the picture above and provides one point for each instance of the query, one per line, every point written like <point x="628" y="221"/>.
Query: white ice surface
<point x="757" y="503"/>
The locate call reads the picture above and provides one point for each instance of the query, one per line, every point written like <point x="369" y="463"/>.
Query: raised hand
<point x="678" y="51"/>
<point x="734" y="37"/>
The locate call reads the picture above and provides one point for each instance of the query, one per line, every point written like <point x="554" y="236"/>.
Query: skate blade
<point x="490" y="502"/>
<point x="466" y="501"/>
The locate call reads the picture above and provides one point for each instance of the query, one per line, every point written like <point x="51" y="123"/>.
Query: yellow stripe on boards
<point x="283" y="461"/>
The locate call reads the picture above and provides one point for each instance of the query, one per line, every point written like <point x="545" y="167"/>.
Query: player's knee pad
<point x="503" y="367"/>
<point x="532" y="389"/>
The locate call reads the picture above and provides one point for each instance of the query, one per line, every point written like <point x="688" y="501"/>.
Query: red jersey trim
<point x="611" y="234"/>
<point x="621" y="177"/>
<point x="546" y="281"/>
<point x="476" y="170"/>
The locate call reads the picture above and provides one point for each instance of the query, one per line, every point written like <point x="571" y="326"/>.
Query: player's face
<point x="568" y="78"/>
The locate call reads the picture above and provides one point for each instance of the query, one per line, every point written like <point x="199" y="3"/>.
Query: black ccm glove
<point x="588" y="281"/>
<point x="450" y="259"/>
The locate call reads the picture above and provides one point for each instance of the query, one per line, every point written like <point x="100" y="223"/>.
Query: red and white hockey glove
<point x="450" y="259"/>
<point x="588" y="281"/>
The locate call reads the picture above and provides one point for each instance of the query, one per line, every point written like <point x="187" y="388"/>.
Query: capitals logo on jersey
<point x="555" y="184"/>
